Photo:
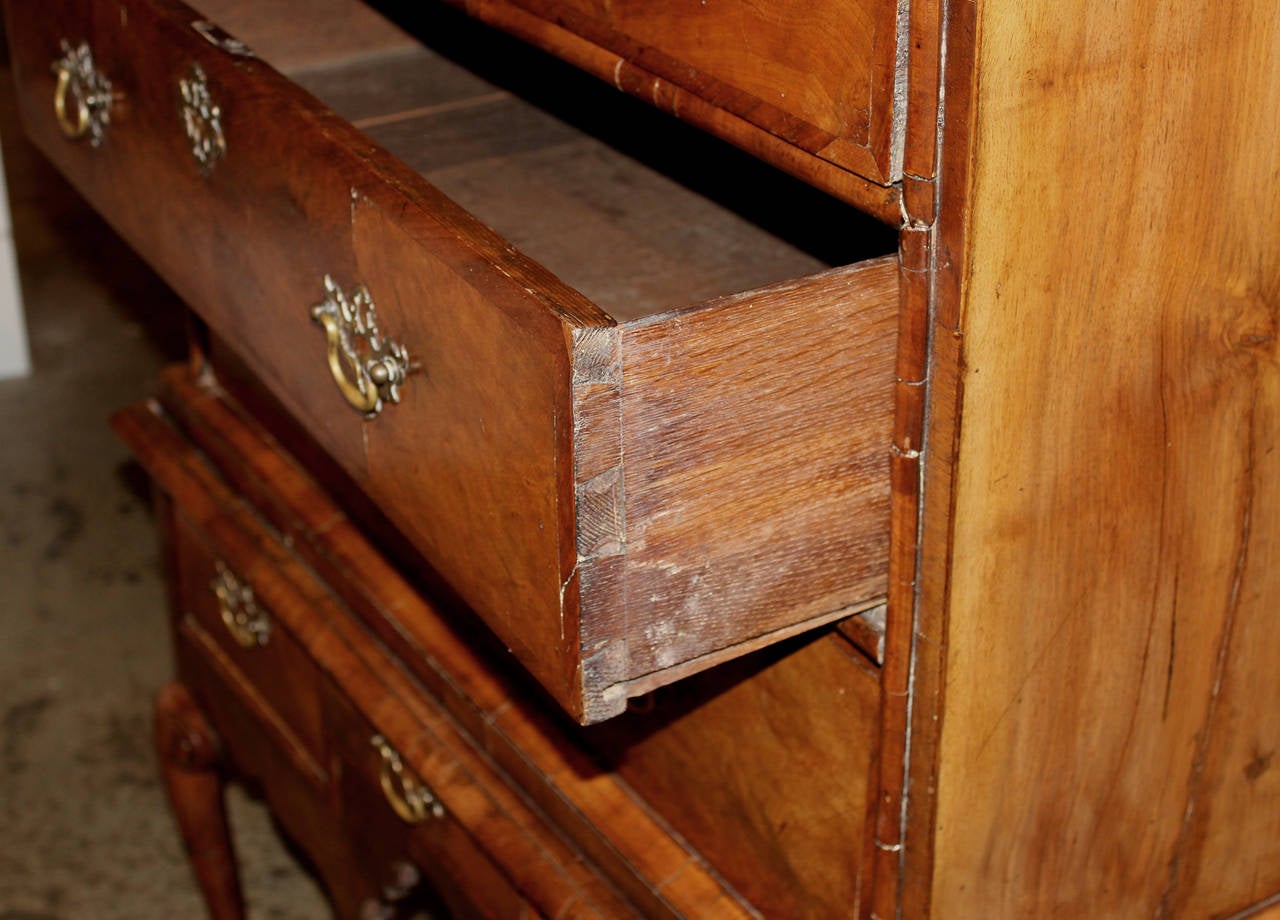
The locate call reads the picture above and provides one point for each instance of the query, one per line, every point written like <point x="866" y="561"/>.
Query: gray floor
<point x="85" y="829"/>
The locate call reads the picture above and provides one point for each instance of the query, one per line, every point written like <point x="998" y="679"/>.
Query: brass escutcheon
<point x="410" y="798"/>
<point x="367" y="368"/>
<point x="82" y="96"/>
<point x="248" y="624"/>
<point x="202" y="120"/>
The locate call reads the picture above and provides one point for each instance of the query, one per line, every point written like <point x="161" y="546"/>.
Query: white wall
<point x="15" y="360"/>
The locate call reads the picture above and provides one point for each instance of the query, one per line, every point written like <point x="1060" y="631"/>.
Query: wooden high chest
<point x="709" y="458"/>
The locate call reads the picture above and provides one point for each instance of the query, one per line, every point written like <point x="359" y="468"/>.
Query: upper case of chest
<point x="622" y="501"/>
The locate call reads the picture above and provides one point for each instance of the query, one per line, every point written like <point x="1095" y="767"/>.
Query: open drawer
<point x="626" y="488"/>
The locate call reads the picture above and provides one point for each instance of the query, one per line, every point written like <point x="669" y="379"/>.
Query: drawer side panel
<point x="756" y="435"/>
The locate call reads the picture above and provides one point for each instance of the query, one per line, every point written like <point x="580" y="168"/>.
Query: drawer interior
<point x="639" y="212"/>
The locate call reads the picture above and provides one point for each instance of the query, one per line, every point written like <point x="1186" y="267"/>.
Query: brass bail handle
<point x="368" y="368"/>
<point x="410" y="798"/>
<point x="82" y="96"/>
<point x="73" y="126"/>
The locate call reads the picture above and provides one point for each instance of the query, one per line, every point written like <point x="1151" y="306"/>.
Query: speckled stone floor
<point x="84" y="828"/>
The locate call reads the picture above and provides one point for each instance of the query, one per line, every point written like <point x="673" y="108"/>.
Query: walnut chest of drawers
<point x="822" y="467"/>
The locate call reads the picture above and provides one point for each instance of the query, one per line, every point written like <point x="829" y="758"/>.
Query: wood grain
<point x="478" y="467"/>
<point x="877" y="198"/>
<point x="1108" y="609"/>
<point x="472" y="470"/>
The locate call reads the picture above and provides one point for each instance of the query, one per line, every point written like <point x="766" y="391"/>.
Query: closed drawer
<point x="397" y="816"/>
<point x="221" y="607"/>
<point x="819" y="75"/>
<point x="624" y="497"/>
<point x="401" y="779"/>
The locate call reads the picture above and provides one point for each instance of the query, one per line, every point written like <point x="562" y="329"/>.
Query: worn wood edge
<point x="918" y="710"/>
<point x="924" y="84"/>
<point x="599" y="542"/>
<point x="644" y="683"/>
<point x="909" y="412"/>
<point x="558" y="772"/>
<point x="876" y="198"/>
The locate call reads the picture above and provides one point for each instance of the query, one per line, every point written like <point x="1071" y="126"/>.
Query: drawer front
<point x="767" y="766"/>
<point x="221" y="608"/>
<point x="820" y="75"/>
<point x="395" y="816"/>
<point x="247" y="239"/>
<point x="532" y="457"/>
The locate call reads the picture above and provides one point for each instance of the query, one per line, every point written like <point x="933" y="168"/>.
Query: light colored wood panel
<point x="1111" y="498"/>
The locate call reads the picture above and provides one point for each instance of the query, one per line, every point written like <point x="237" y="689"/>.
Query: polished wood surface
<point x="1070" y="709"/>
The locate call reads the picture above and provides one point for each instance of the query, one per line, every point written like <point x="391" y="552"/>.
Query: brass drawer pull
<point x="248" y="624"/>
<point x="82" y="97"/>
<point x="367" y="368"/>
<point x="408" y="796"/>
<point x="202" y="119"/>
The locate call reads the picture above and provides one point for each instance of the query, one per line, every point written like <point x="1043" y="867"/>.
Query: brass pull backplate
<point x="248" y="624"/>
<point x="408" y="796"/>
<point x="367" y="368"/>
<point x="82" y="96"/>
<point x="202" y="120"/>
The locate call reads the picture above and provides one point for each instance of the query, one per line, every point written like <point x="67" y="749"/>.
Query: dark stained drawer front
<point x="623" y="499"/>
<point x="396" y="815"/>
